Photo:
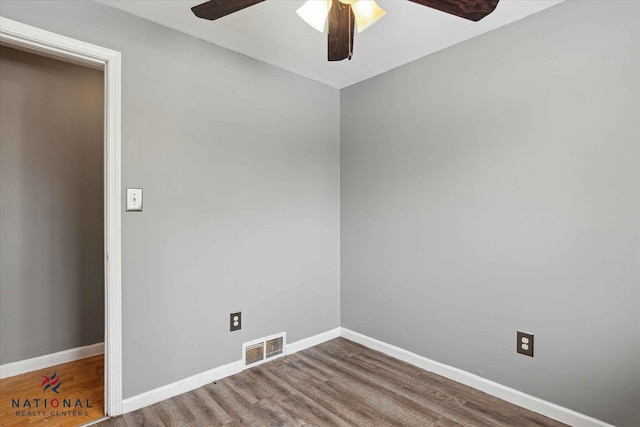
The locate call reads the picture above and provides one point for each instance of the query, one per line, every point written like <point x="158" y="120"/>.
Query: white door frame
<point x="32" y="39"/>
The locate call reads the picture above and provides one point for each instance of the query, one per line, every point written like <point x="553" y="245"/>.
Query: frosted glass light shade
<point x="314" y="13"/>
<point x="367" y="13"/>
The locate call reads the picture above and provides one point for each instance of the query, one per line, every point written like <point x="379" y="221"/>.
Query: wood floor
<point x="338" y="383"/>
<point x="81" y="380"/>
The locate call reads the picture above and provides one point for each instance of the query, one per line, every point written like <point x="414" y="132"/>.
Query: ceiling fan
<point x="343" y="15"/>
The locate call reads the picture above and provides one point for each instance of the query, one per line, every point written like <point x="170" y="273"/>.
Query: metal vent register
<point x="263" y="349"/>
<point x="254" y="353"/>
<point x="274" y="347"/>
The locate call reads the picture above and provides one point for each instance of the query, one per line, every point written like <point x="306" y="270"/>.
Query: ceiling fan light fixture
<point x="367" y="13"/>
<point x="315" y="12"/>
<point x="341" y="22"/>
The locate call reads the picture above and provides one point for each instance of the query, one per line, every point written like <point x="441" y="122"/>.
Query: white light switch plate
<point x="134" y="199"/>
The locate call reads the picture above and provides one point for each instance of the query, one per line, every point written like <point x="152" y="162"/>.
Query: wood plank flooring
<point x="337" y="383"/>
<point x="82" y="379"/>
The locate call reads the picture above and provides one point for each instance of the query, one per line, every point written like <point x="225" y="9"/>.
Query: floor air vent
<point x="274" y="347"/>
<point x="263" y="349"/>
<point x="254" y="353"/>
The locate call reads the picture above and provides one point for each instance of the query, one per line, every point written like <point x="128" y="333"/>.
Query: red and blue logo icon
<point x="52" y="382"/>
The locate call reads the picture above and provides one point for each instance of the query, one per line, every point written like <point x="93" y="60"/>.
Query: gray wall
<point x="239" y="162"/>
<point x="495" y="186"/>
<point x="51" y="198"/>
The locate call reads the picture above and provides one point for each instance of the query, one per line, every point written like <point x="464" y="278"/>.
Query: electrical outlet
<point x="235" y="321"/>
<point x="525" y="343"/>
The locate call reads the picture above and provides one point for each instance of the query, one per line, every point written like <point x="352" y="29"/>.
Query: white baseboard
<point x="191" y="383"/>
<point x="295" y="347"/>
<point x="182" y="386"/>
<point x="48" y="360"/>
<point x="516" y="397"/>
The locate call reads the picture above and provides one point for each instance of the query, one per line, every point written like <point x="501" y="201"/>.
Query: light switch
<point x="134" y="199"/>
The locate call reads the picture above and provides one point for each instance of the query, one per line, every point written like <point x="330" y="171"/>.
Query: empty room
<point x="330" y="213"/>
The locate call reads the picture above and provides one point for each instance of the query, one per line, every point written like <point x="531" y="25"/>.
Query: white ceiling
<point x="272" y="32"/>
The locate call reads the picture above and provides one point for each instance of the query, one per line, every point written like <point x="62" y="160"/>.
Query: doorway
<point x="51" y="233"/>
<point x="30" y="39"/>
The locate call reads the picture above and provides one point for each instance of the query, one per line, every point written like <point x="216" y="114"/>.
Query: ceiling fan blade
<point x="473" y="10"/>
<point x="215" y="9"/>
<point x="341" y="28"/>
